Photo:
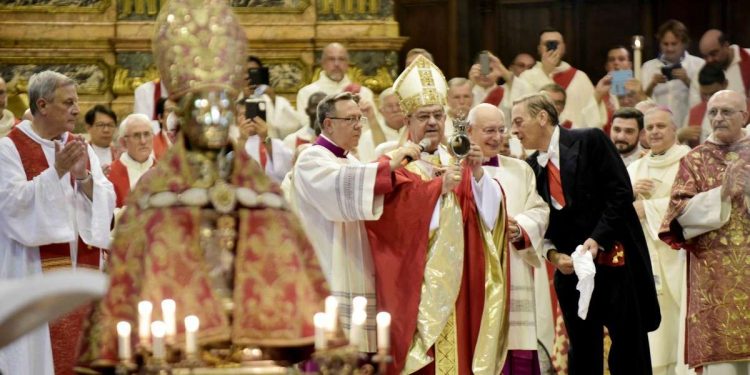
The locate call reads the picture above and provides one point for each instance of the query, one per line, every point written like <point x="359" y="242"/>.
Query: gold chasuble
<point x="462" y="314"/>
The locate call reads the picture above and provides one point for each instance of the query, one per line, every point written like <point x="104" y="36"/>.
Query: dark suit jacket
<point x="599" y="205"/>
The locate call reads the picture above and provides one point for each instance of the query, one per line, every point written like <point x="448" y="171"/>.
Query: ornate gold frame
<point x="304" y="4"/>
<point x="99" y="8"/>
<point x="106" y="69"/>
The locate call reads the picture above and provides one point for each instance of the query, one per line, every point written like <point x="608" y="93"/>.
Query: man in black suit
<point x="581" y="176"/>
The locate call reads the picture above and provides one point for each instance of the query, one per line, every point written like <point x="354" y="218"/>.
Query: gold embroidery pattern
<point x="446" y="349"/>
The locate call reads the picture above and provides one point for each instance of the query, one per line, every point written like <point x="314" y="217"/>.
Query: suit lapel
<point x="542" y="183"/>
<point x="569" y="146"/>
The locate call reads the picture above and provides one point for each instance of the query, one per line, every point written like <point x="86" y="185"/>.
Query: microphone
<point x="423" y="144"/>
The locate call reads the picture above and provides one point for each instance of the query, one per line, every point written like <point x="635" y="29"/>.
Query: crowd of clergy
<point x="645" y="179"/>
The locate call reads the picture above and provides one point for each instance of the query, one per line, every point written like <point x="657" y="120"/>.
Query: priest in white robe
<point x="528" y="216"/>
<point x="334" y="193"/>
<point x="55" y="211"/>
<point x="652" y="177"/>
<point x="270" y="153"/>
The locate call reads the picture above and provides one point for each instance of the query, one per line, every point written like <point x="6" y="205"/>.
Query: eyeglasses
<point x="141" y="135"/>
<point x="494" y="131"/>
<point x="424" y="117"/>
<point x="725" y="112"/>
<point x="108" y="125"/>
<point x="351" y="121"/>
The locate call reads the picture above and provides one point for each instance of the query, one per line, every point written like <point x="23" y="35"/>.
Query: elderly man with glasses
<point x="334" y="194"/>
<point x="708" y="217"/>
<point x="528" y="216"/>
<point x="136" y="138"/>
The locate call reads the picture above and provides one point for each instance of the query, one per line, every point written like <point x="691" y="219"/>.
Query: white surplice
<point x="45" y="210"/>
<point x="278" y="163"/>
<point x="135" y="169"/>
<point x="329" y="87"/>
<point x="333" y="197"/>
<point x="579" y="92"/>
<point x="674" y="94"/>
<point x="667" y="264"/>
<point x="366" y="147"/>
<point x="524" y="204"/>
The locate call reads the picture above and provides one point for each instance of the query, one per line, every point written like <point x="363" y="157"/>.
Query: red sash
<point x="697" y="113"/>
<point x="564" y="78"/>
<point x="495" y="97"/>
<point x="157" y="96"/>
<point x="263" y="154"/>
<point x="64" y="331"/>
<point x="745" y="69"/>
<point x="567" y="124"/>
<point x="118" y="175"/>
<point x="161" y="145"/>
<point x="299" y="141"/>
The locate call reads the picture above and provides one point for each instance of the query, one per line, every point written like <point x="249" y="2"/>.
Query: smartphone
<point x="255" y="108"/>
<point x="667" y="70"/>
<point x="258" y="76"/>
<point x="484" y="62"/>
<point x="551" y="45"/>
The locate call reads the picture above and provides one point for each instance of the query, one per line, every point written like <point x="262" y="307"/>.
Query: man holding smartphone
<point x="552" y="69"/>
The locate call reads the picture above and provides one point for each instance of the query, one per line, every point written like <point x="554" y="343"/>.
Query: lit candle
<point x="332" y="306"/>
<point x="359" y="303"/>
<point x="384" y="325"/>
<point x="320" y="320"/>
<point x="637" y="46"/>
<point x="168" y="313"/>
<point x="123" y="340"/>
<point x="358" y="324"/>
<point x="192" y="323"/>
<point x="144" y="321"/>
<point x="158" y="330"/>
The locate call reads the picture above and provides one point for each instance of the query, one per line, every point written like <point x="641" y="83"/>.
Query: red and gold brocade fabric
<point x="718" y="312"/>
<point x="156" y="254"/>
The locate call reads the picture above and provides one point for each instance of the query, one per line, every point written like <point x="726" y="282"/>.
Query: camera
<point x="258" y="76"/>
<point x="255" y="107"/>
<point x="551" y="45"/>
<point x="667" y="70"/>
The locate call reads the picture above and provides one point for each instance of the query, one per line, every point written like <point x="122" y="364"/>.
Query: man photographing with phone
<point x="269" y="152"/>
<point x="552" y="69"/>
<point x="281" y="117"/>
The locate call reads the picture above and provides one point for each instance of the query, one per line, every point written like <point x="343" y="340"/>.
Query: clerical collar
<point x="493" y="162"/>
<point x="330" y="146"/>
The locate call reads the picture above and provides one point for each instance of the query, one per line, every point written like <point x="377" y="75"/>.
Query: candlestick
<point x="123" y="341"/>
<point x="637" y="47"/>
<point x="192" y="323"/>
<point x="332" y="306"/>
<point x="144" y="321"/>
<point x="168" y="313"/>
<point x="383" y="320"/>
<point x="158" y="330"/>
<point x="320" y="320"/>
<point x="358" y="324"/>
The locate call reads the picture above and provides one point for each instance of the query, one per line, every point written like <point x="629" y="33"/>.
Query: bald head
<point x="335" y="61"/>
<point x="715" y="48"/>
<point x="487" y="128"/>
<point x="727" y="113"/>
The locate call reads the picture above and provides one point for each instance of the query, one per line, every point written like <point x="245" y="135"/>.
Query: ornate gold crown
<point x="198" y="45"/>
<point x="421" y="84"/>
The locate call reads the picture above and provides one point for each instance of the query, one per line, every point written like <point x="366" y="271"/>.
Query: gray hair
<point x="538" y="102"/>
<point x="471" y="118"/>
<point x="132" y="119"/>
<point x="386" y="93"/>
<point x="327" y="106"/>
<point x="458" y="82"/>
<point x="42" y="85"/>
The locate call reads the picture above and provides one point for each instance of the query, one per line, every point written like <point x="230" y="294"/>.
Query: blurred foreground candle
<point x="320" y="320"/>
<point x="384" y="325"/>
<point x="168" y="313"/>
<point x="191" y="332"/>
<point x="358" y="327"/>
<point x="123" y="340"/>
<point x="144" y="321"/>
<point x="332" y="306"/>
<point x="359" y="303"/>
<point x="637" y="47"/>
<point x="158" y="330"/>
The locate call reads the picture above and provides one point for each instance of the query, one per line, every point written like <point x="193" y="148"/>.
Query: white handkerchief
<point x="583" y="264"/>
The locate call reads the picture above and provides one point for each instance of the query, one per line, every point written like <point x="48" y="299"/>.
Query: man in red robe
<point x="135" y="137"/>
<point x="440" y="259"/>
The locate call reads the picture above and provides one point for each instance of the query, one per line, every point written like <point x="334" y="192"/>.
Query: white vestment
<point x="595" y="113"/>
<point x="523" y="204"/>
<point x="278" y="164"/>
<point x="333" y="197"/>
<point x="667" y="264"/>
<point x="281" y="117"/>
<point x="46" y="210"/>
<point x="135" y="169"/>
<point x="327" y="86"/>
<point x="103" y="154"/>
<point x="144" y="102"/>
<point x="674" y="94"/>
<point x="579" y="92"/>
<point x="366" y="147"/>
<point x="305" y="133"/>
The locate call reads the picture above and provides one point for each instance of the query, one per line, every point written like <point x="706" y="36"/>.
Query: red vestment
<point x="118" y="175"/>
